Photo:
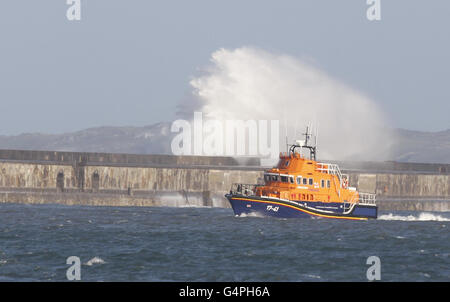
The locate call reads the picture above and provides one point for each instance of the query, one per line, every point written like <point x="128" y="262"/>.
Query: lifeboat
<point x="301" y="187"/>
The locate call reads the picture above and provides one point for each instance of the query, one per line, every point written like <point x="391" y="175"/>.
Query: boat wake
<point x="422" y="217"/>
<point x="252" y="214"/>
<point x="194" y="206"/>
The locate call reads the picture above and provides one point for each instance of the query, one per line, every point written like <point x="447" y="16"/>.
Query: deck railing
<point x="363" y="198"/>
<point x="332" y="169"/>
<point x="366" y="198"/>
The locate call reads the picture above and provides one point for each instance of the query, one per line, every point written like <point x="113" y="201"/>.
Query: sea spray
<point x="252" y="84"/>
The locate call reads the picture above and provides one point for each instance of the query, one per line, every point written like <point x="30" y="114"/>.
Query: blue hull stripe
<point x="284" y="209"/>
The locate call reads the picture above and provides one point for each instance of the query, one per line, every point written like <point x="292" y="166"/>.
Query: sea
<point x="193" y="244"/>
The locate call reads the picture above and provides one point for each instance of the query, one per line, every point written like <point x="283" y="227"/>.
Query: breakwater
<point x="165" y="180"/>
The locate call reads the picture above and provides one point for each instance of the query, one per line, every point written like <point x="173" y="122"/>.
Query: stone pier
<point x="107" y="179"/>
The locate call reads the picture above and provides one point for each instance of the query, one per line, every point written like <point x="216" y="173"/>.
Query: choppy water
<point x="210" y="244"/>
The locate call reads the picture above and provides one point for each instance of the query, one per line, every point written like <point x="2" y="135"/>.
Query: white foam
<point x="421" y="217"/>
<point x="251" y="214"/>
<point x="313" y="276"/>
<point x="193" y="206"/>
<point x="95" y="260"/>
<point x="252" y="84"/>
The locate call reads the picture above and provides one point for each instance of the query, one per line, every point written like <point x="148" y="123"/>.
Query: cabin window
<point x="305" y="181"/>
<point x="267" y="178"/>
<point x="328" y="184"/>
<point x="284" y="179"/>
<point x="303" y="196"/>
<point x="323" y="183"/>
<point x="311" y="197"/>
<point x="311" y="181"/>
<point x="286" y="163"/>
<point x="299" y="180"/>
<point x="274" y="177"/>
<point x="291" y="178"/>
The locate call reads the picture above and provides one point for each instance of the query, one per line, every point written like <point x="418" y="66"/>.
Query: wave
<point x="422" y="217"/>
<point x="95" y="260"/>
<point x="194" y="206"/>
<point x="251" y="214"/>
<point x="310" y="276"/>
<point x="249" y="83"/>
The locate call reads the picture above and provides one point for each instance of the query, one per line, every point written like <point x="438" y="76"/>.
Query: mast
<point x="306" y="144"/>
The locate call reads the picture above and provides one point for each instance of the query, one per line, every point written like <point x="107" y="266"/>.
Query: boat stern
<point x="367" y="211"/>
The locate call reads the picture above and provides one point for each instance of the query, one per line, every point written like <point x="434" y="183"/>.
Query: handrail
<point x="355" y="197"/>
<point x="331" y="169"/>
<point x="367" y="198"/>
<point x="363" y="198"/>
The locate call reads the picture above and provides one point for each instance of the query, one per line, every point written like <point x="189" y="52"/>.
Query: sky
<point x="130" y="62"/>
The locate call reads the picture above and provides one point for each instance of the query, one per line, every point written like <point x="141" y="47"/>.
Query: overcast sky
<point x="129" y="62"/>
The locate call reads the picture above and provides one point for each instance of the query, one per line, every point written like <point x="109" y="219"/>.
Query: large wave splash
<point x="252" y="84"/>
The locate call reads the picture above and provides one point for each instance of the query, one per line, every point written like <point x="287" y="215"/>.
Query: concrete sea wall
<point x="162" y="180"/>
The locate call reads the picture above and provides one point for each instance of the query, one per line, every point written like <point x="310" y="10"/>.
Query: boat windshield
<point x="271" y="177"/>
<point x="284" y="178"/>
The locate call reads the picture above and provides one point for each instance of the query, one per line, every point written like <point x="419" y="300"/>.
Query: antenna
<point x="308" y="133"/>
<point x="317" y="134"/>
<point x="305" y="143"/>
<point x="316" y="127"/>
<point x="308" y="136"/>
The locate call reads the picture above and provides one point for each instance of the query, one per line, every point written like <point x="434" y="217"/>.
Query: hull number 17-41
<point x="272" y="208"/>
